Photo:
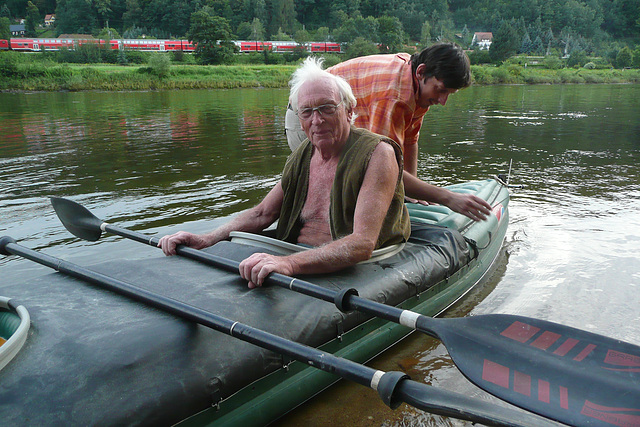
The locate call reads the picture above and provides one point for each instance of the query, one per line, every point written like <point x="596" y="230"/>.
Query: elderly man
<point x="341" y="191"/>
<point x="394" y="92"/>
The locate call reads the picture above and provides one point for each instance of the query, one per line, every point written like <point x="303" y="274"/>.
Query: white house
<point x="483" y="40"/>
<point x="49" y="19"/>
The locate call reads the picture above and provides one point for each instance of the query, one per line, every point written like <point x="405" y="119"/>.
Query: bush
<point x="553" y="63"/>
<point x="8" y="64"/>
<point x="502" y="75"/>
<point x="515" y="70"/>
<point x="160" y="64"/>
<point x="177" y="56"/>
<point x="122" y="57"/>
<point x="137" y="57"/>
<point x="592" y="78"/>
<point x="577" y="59"/>
<point x="295" y="55"/>
<point x="590" y="66"/>
<point x="479" y="57"/>
<point x="570" y="76"/>
<point x="481" y="75"/>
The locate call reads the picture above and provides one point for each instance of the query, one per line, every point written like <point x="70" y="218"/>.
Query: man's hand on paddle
<point x="169" y="243"/>
<point x="258" y="266"/>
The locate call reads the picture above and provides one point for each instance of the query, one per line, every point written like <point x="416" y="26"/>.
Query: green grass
<point x="515" y="74"/>
<point x="33" y="73"/>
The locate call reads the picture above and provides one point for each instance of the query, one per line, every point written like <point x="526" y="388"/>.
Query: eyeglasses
<point x="324" y="111"/>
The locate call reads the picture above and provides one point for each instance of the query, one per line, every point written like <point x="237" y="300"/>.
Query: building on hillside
<point x="49" y="19"/>
<point x="17" y="30"/>
<point x="482" y="40"/>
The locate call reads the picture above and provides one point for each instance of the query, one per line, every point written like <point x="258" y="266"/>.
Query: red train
<point x="35" y="45"/>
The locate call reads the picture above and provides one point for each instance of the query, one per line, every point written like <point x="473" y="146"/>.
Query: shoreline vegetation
<point x="17" y="74"/>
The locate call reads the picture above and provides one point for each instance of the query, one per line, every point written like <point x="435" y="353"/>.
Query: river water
<point x="162" y="161"/>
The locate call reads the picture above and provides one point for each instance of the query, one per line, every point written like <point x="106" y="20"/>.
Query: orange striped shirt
<point x="384" y="88"/>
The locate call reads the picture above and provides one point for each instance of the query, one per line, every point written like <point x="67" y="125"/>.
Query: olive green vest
<point x="350" y="172"/>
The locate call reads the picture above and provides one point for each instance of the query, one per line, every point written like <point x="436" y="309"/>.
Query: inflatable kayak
<point x="93" y="357"/>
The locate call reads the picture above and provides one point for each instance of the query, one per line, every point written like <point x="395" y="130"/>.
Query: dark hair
<point x="446" y="62"/>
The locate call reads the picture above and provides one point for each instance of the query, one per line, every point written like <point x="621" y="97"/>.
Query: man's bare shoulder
<point x="384" y="158"/>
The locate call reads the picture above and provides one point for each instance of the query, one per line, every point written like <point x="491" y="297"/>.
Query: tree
<point x="391" y="34"/>
<point x="103" y="7"/>
<point x="133" y="14"/>
<point x="353" y="28"/>
<point x="75" y="16"/>
<point x="282" y="16"/>
<point x="32" y="20"/>
<point x="5" y="12"/>
<point x="505" y="43"/>
<point x="108" y="34"/>
<point x="624" y="58"/>
<point x="425" y="34"/>
<point x="322" y="34"/>
<point x="5" y="28"/>
<point x="537" y="47"/>
<point x="577" y="59"/>
<point x="302" y="37"/>
<point x="212" y="36"/>
<point x="257" y="29"/>
<point x="280" y="35"/>
<point x="361" y="47"/>
<point x="527" y="45"/>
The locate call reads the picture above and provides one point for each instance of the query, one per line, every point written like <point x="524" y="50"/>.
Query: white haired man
<point x="341" y="192"/>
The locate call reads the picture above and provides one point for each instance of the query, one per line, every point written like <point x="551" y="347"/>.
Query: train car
<point x="143" y="44"/>
<point x="253" y="46"/>
<point x="4" y="44"/>
<point x="179" y="45"/>
<point x="35" y="45"/>
<point x="324" y="47"/>
<point x="284" y="46"/>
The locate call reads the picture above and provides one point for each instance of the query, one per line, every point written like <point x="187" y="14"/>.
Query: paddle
<point x="393" y="387"/>
<point x="562" y="373"/>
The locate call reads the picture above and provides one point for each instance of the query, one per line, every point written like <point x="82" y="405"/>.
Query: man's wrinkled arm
<point x="252" y="220"/>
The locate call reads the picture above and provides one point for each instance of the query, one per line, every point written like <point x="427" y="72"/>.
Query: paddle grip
<point x="4" y="241"/>
<point x="387" y="387"/>
<point x="341" y="299"/>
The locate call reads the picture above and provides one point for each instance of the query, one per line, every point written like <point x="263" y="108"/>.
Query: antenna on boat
<point x="504" y="179"/>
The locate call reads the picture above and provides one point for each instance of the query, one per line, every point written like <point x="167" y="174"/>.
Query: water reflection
<point x="162" y="161"/>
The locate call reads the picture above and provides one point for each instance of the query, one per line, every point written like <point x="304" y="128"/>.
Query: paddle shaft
<point x="345" y="300"/>
<point x="393" y="387"/>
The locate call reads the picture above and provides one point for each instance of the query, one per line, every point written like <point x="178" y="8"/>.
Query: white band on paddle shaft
<point x="103" y="226"/>
<point x="376" y="379"/>
<point x="409" y="319"/>
<point x="231" y="328"/>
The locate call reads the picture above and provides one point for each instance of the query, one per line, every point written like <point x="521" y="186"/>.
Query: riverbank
<point x="41" y="76"/>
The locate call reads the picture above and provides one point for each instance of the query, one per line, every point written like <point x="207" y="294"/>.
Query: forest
<point x="533" y="27"/>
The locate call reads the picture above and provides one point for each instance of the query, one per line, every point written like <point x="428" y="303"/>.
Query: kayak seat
<point x="285" y="248"/>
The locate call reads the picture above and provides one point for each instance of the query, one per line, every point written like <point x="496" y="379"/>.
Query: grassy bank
<point x="19" y="72"/>
<point x="55" y="77"/>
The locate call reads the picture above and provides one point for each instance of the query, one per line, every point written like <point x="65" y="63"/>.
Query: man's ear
<point x="420" y="71"/>
<point x="350" y="115"/>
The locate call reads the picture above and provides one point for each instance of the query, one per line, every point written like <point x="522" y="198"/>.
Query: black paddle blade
<point x="451" y="404"/>
<point x="566" y="374"/>
<point x="77" y="219"/>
